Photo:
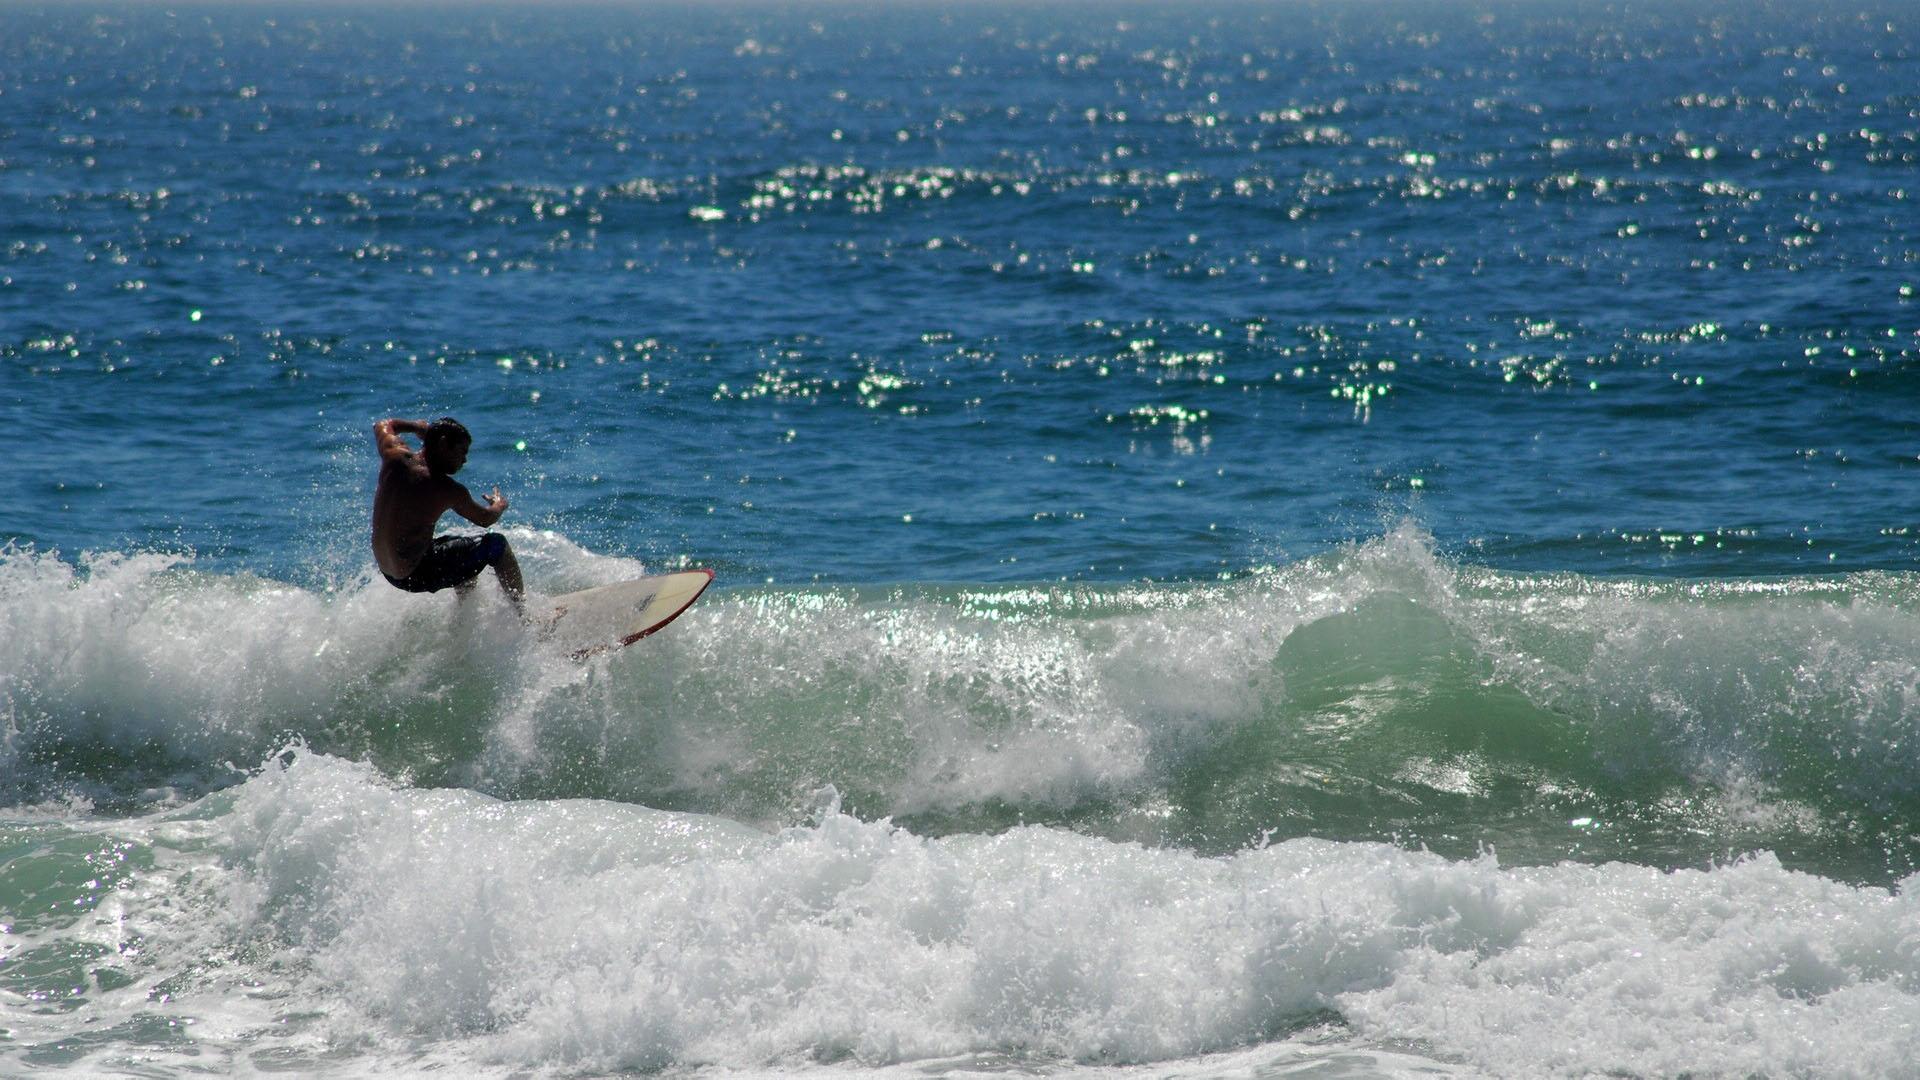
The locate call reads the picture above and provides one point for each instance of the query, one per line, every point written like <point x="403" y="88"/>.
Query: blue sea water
<point x="1369" y="538"/>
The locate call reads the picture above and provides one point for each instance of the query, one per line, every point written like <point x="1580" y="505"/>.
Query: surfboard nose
<point x="614" y="616"/>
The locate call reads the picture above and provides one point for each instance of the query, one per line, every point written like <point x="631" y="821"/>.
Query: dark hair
<point x="447" y="430"/>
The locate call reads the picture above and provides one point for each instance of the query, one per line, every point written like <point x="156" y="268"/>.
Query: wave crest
<point x="1377" y="691"/>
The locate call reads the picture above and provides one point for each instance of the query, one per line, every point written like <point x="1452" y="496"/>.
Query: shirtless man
<point x="416" y="487"/>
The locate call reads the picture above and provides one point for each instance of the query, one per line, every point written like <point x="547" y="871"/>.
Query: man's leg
<point x="478" y="553"/>
<point x="507" y="569"/>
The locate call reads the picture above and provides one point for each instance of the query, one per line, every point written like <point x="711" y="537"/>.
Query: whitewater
<point x="1319" y="816"/>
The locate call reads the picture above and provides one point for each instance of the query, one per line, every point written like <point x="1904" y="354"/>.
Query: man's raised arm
<point x="481" y="514"/>
<point x="386" y="436"/>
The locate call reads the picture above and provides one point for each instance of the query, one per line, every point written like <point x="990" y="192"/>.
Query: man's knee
<point x="493" y="548"/>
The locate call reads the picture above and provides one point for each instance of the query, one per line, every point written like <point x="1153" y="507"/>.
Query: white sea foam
<point x="593" y="936"/>
<point x="143" y="655"/>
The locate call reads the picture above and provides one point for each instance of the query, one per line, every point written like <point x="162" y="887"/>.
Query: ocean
<point x="1351" y="539"/>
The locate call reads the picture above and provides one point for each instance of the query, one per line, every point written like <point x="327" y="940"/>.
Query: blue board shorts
<point x="454" y="560"/>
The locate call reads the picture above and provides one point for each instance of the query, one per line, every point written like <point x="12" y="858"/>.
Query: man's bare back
<point x="415" y="488"/>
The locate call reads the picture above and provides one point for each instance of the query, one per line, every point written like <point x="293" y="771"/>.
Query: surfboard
<point x="617" y="615"/>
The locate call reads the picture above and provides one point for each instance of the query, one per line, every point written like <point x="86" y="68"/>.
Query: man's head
<point x="445" y="446"/>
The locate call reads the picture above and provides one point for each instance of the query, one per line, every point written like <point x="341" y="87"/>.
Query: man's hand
<point x="481" y="514"/>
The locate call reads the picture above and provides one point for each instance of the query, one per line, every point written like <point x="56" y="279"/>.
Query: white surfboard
<point x="612" y="616"/>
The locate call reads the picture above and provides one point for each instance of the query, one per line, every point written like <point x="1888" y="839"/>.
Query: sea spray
<point x="593" y="936"/>
<point x="1378" y="692"/>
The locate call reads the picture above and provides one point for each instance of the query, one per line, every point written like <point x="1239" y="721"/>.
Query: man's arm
<point x="386" y="436"/>
<point x="481" y="515"/>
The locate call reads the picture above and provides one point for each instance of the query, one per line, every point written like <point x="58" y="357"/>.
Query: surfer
<point x="416" y="487"/>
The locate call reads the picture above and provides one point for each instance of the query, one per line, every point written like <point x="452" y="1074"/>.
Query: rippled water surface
<point x="909" y="295"/>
